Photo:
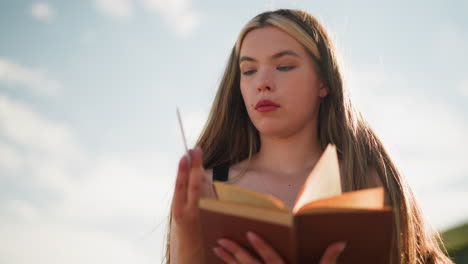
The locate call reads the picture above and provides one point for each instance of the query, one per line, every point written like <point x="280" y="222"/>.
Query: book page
<point x="254" y="212"/>
<point x="232" y="193"/>
<point x="324" y="180"/>
<point x="368" y="199"/>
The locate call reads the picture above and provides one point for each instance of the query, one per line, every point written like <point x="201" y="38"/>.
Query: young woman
<point x="280" y="102"/>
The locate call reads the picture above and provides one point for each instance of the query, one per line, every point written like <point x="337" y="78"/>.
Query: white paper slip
<point x="183" y="136"/>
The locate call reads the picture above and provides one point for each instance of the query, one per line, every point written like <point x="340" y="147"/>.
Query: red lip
<point x="266" y="105"/>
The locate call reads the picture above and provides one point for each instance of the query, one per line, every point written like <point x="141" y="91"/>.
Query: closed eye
<point x="285" y="68"/>
<point x="250" y="72"/>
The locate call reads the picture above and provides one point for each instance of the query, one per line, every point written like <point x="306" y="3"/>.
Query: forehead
<point x="267" y="41"/>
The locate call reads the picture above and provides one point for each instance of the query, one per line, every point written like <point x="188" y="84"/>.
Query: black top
<point x="220" y="173"/>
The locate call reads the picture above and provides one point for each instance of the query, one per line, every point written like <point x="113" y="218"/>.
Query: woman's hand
<point x="232" y="253"/>
<point x="189" y="183"/>
<point x="185" y="238"/>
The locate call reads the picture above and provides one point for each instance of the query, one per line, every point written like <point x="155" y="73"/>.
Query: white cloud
<point x="43" y="12"/>
<point x="128" y="196"/>
<point x="444" y="209"/>
<point x="109" y="208"/>
<point x="119" y="9"/>
<point x="36" y="80"/>
<point x="24" y="127"/>
<point x="16" y="209"/>
<point x="50" y="155"/>
<point x="178" y="14"/>
<point x="137" y="187"/>
<point x="54" y="242"/>
<point x="10" y="160"/>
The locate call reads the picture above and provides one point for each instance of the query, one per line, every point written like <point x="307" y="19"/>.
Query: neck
<point x="289" y="155"/>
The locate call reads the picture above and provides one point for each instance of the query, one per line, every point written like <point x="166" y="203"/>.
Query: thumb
<point x="332" y="253"/>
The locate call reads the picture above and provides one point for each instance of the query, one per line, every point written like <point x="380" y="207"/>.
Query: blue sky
<point x="88" y="89"/>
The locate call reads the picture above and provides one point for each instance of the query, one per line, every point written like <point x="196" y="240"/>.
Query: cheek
<point x="248" y="97"/>
<point x="302" y="95"/>
<point x="300" y="89"/>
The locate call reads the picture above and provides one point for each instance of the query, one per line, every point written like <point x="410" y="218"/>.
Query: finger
<point x="239" y="253"/>
<point x="224" y="255"/>
<point x="332" y="253"/>
<point x="180" y="192"/>
<point x="196" y="158"/>
<point x="195" y="177"/>
<point x="267" y="253"/>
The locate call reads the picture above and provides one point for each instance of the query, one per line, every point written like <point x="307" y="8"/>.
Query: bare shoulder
<point x="237" y="169"/>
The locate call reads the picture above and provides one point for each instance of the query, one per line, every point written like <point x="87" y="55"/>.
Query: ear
<point x="323" y="90"/>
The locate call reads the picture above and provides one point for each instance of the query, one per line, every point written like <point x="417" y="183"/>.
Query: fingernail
<point x="217" y="251"/>
<point x="223" y="242"/>
<point x="342" y="247"/>
<point x="251" y="236"/>
<point x="188" y="159"/>
<point x="194" y="152"/>
<point x="195" y="149"/>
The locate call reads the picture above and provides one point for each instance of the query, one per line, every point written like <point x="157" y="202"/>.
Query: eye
<point x="285" y="68"/>
<point x="249" y="72"/>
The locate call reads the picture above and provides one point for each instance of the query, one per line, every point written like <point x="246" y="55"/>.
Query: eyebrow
<point x="275" y="56"/>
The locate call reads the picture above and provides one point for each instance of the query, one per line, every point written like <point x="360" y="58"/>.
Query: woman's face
<point x="275" y="67"/>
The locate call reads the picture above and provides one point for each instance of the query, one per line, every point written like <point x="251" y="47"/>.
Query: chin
<point x="280" y="128"/>
<point x="274" y="131"/>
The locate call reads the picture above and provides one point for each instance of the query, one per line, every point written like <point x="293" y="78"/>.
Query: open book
<point x="322" y="214"/>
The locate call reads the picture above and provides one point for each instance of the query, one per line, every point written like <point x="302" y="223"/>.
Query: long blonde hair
<point x="230" y="137"/>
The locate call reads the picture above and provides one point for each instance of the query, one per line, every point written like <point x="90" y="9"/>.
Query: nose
<point x="265" y="82"/>
<point x="263" y="86"/>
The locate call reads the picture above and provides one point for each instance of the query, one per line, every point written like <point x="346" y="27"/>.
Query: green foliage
<point x="456" y="241"/>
